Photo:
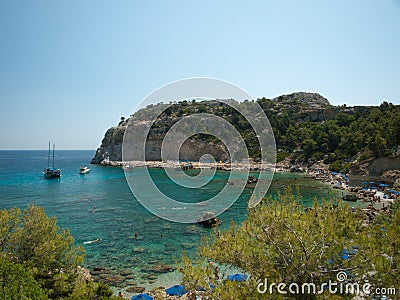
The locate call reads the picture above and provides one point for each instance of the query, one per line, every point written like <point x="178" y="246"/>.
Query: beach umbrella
<point x="345" y="254"/>
<point x="176" y="290"/>
<point x="383" y="185"/>
<point x="238" y="277"/>
<point x="142" y="297"/>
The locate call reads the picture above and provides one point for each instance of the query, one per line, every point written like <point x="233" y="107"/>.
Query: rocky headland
<point x="309" y="131"/>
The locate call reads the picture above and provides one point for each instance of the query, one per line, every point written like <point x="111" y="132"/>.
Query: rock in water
<point x="208" y="220"/>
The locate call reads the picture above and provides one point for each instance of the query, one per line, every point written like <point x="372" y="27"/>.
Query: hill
<point x="306" y="126"/>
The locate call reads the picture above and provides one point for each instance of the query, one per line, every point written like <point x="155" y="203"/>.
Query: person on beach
<point x="120" y="295"/>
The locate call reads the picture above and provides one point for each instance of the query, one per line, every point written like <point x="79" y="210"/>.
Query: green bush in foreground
<point x="38" y="260"/>
<point x="17" y="283"/>
<point x="284" y="243"/>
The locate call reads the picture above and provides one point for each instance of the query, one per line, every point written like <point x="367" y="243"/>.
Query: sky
<point x="70" y="69"/>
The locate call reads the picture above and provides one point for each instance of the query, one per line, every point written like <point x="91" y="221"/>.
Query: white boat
<point x="84" y="170"/>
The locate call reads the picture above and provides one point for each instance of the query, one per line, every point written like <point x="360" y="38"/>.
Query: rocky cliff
<point x="110" y="150"/>
<point x="111" y="146"/>
<point x="377" y="167"/>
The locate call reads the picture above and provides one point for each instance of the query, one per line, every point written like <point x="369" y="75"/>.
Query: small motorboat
<point x="84" y="170"/>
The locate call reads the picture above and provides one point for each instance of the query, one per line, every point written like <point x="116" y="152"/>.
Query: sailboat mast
<point x="48" y="157"/>
<point x="54" y="145"/>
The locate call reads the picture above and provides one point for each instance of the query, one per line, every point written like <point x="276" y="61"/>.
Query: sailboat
<point x="51" y="172"/>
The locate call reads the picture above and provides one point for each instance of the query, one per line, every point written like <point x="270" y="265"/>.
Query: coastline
<point x="318" y="171"/>
<point x="251" y="166"/>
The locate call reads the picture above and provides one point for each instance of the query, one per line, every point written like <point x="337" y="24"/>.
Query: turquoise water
<point x="118" y="214"/>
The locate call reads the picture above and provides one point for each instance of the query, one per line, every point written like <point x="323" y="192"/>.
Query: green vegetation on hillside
<point x="40" y="261"/>
<point x="306" y="128"/>
<point x="284" y="243"/>
<point x="350" y="134"/>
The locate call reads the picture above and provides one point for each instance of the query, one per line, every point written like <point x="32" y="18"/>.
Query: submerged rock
<point x="135" y="289"/>
<point x="162" y="269"/>
<point x="114" y="280"/>
<point x="125" y="272"/>
<point x="208" y="220"/>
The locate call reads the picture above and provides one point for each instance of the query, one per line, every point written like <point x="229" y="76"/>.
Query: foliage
<point x="285" y="243"/>
<point x="18" y="283"/>
<point x="31" y="241"/>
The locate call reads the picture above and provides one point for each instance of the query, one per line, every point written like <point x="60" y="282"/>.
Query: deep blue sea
<point x="118" y="214"/>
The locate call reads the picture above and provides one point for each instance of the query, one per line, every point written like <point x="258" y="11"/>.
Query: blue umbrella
<point x="383" y="185"/>
<point x="238" y="277"/>
<point x="345" y="256"/>
<point x="142" y="297"/>
<point x="176" y="290"/>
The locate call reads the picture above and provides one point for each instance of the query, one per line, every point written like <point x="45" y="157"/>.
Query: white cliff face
<point x="110" y="151"/>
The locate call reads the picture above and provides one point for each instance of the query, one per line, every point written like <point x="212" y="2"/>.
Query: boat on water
<point x="51" y="172"/>
<point x="84" y="170"/>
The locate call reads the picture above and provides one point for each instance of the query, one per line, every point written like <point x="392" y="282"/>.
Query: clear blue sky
<point x="71" y="69"/>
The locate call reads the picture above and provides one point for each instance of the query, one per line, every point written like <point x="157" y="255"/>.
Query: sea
<point x="134" y="243"/>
